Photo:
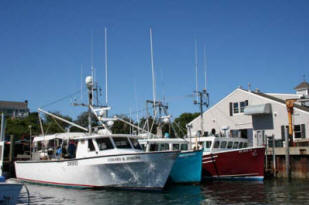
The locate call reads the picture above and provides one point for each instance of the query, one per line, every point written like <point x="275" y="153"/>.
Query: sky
<point x="45" y="50"/>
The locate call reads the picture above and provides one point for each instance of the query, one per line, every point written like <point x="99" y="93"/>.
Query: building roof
<point x="302" y="85"/>
<point x="13" y="105"/>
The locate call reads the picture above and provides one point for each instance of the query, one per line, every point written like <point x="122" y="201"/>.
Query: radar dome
<point x="88" y="81"/>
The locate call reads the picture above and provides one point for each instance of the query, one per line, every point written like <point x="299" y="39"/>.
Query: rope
<point x="60" y="99"/>
<point x="28" y="193"/>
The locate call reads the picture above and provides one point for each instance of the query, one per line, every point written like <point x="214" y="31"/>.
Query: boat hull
<point x="129" y="171"/>
<point x="187" y="167"/>
<point x="9" y="192"/>
<point x="240" y="164"/>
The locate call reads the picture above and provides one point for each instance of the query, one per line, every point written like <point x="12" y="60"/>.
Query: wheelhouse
<point x="78" y="145"/>
<point x="213" y="144"/>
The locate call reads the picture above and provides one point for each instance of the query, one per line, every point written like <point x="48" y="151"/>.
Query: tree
<point x="82" y="120"/>
<point x="19" y="127"/>
<point x="52" y="125"/>
<point x="120" y="127"/>
<point x="181" y="122"/>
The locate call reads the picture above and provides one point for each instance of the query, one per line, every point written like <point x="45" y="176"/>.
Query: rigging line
<point x="60" y="99"/>
<point x="138" y="111"/>
<point x="58" y="125"/>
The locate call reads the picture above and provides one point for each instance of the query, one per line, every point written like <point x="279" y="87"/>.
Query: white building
<point x="255" y="115"/>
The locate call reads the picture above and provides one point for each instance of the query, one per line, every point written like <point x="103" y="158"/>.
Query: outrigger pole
<point x="64" y="120"/>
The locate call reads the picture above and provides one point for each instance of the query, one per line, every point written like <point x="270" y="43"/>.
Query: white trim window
<point x="238" y="107"/>
<point x="299" y="131"/>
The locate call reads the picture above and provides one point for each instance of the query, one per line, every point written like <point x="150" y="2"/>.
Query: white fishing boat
<point x="95" y="159"/>
<point x="100" y="161"/>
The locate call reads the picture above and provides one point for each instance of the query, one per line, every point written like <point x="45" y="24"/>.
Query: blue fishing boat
<point x="188" y="165"/>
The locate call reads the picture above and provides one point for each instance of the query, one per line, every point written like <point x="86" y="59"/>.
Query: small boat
<point x="9" y="191"/>
<point x="188" y="165"/>
<point x="231" y="158"/>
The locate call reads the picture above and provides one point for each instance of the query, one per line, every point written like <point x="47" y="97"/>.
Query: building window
<point x="235" y="108"/>
<point x="299" y="131"/>
<point x="243" y="104"/>
<point x="238" y="107"/>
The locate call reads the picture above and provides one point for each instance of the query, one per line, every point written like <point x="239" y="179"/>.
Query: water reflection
<point x="210" y="193"/>
<point x="54" y="195"/>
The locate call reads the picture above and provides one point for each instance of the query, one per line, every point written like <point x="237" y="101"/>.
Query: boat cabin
<point x="164" y="144"/>
<point x="79" y="145"/>
<point x="214" y="144"/>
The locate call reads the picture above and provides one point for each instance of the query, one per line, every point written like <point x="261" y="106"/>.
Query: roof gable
<point x="302" y="85"/>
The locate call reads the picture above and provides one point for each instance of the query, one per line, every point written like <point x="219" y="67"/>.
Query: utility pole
<point x="203" y="100"/>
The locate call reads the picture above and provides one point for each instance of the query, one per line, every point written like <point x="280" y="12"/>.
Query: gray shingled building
<point x="14" y="109"/>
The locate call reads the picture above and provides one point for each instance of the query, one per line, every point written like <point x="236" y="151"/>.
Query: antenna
<point x="196" y="66"/>
<point x="106" y="96"/>
<point x="205" y="68"/>
<point x="153" y="75"/>
<point x="92" y="69"/>
<point x="81" y="82"/>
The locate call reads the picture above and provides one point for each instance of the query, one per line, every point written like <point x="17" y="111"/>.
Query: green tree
<point x="52" y="125"/>
<point x="19" y="127"/>
<point x="120" y="127"/>
<point x="181" y="122"/>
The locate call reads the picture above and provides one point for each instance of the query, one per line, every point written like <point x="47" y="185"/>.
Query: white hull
<point x="136" y="171"/>
<point x="9" y="193"/>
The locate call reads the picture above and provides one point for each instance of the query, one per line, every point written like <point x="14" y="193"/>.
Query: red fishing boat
<point x="231" y="158"/>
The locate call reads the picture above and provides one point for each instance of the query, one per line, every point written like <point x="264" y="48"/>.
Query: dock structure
<point x="299" y="162"/>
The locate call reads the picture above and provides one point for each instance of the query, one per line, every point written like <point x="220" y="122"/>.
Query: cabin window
<point x="183" y="147"/>
<point x="207" y="144"/>
<point x="245" y="145"/>
<point x="216" y="145"/>
<point x="122" y="142"/>
<point x="104" y="143"/>
<point x="223" y="145"/>
<point x="154" y="147"/>
<point x="90" y="146"/>
<point x="175" y="146"/>
<point x="240" y="144"/>
<point x="143" y="147"/>
<point x="135" y="143"/>
<point x="164" y="147"/>
<point x="235" y="146"/>
<point x="230" y="145"/>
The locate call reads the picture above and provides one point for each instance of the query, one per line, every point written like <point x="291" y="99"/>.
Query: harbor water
<point x="208" y="193"/>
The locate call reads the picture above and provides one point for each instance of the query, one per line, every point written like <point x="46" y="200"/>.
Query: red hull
<point x="247" y="163"/>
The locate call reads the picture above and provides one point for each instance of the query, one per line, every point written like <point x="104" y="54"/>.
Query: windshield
<point x="122" y="142"/>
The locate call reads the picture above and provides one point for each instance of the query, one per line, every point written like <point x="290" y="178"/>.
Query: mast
<point x="196" y="67"/>
<point x="106" y="96"/>
<point x="89" y="82"/>
<point x="81" y="82"/>
<point x="153" y="74"/>
<point x="205" y="68"/>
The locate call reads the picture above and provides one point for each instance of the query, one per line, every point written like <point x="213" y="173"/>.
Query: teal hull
<point x="187" y="167"/>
